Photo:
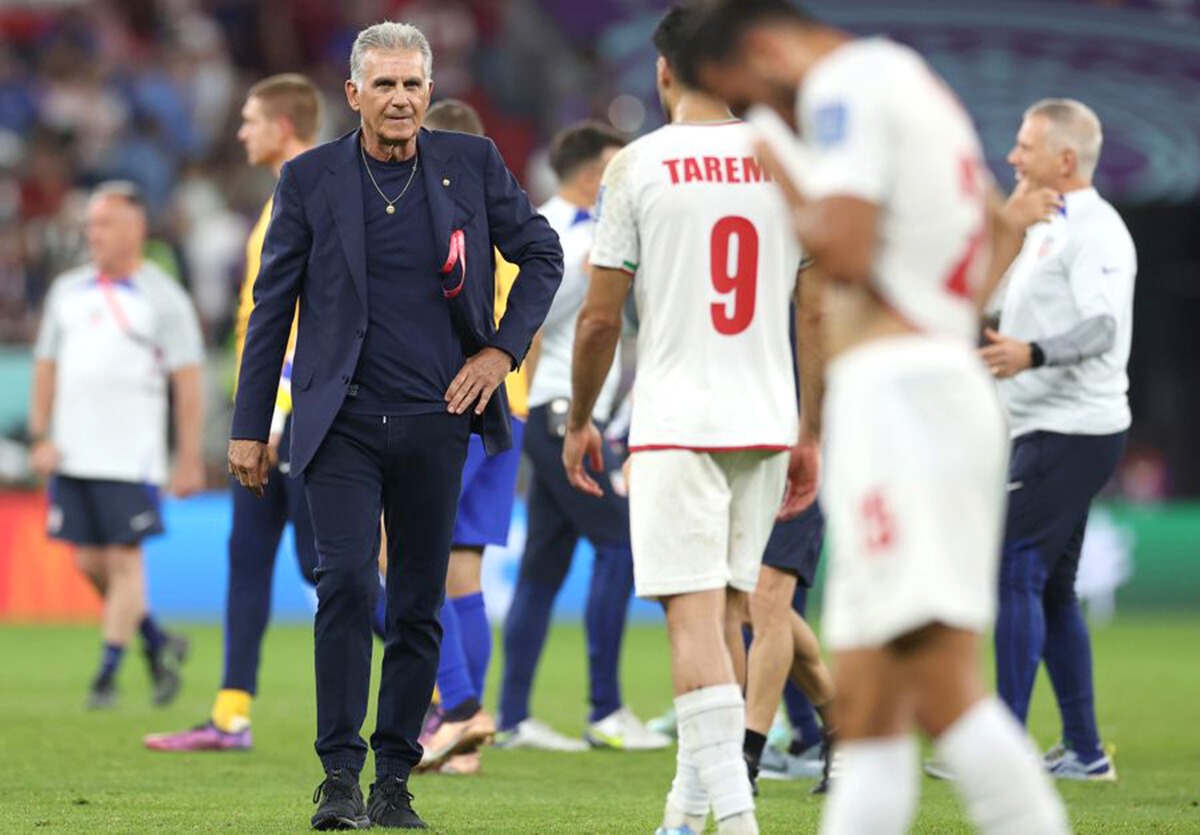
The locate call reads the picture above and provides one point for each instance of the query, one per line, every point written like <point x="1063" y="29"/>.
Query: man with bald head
<point x="1061" y="353"/>
<point x="115" y="334"/>
<point x="386" y="237"/>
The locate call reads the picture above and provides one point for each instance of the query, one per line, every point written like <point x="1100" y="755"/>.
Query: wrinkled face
<point x="393" y="97"/>
<point x="115" y="230"/>
<point x="755" y="73"/>
<point x="1036" y="158"/>
<point x="260" y="134"/>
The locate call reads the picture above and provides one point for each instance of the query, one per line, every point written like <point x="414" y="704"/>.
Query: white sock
<point x="712" y="727"/>
<point x="687" y="802"/>
<point x="876" y="788"/>
<point x="999" y="774"/>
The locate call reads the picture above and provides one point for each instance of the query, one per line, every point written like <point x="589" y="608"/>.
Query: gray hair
<point x="1073" y="125"/>
<point x="389" y="37"/>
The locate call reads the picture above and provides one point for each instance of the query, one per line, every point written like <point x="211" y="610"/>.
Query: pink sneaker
<point x="433" y="721"/>
<point x="206" y="737"/>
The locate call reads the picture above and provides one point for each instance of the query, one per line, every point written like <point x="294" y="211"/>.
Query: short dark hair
<point x="576" y="145"/>
<point x="454" y="114"/>
<point x="671" y="34"/>
<point x="716" y="26"/>
<point x="294" y="97"/>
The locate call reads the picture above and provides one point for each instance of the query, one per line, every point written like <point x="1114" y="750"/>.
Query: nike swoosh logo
<point x="1013" y="486"/>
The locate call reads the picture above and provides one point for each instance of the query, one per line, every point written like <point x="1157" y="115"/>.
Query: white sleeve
<point x="845" y="128"/>
<point x="179" y="329"/>
<point x="617" y="245"/>
<point x="50" y="329"/>
<point x="1101" y="274"/>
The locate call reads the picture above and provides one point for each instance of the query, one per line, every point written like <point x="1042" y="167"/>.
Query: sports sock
<point x="1068" y="657"/>
<point x="687" y="801"/>
<point x="752" y="750"/>
<point x="876" y="787"/>
<point x="525" y="630"/>
<point x="998" y="774"/>
<point x="453" y="676"/>
<point x="379" y="616"/>
<point x="231" y="711"/>
<point x="604" y="622"/>
<point x="110" y="662"/>
<point x="464" y="711"/>
<point x="476" y="637"/>
<point x="152" y="635"/>
<point x="712" y="726"/>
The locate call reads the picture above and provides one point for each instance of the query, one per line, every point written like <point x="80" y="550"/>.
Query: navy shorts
<point x="489" y="488"/>
<point x="99" y="512"/>
<point x="795" y="545"/>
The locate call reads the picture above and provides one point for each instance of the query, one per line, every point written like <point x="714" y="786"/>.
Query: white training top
<point x="552" y="378"/>
<point x="879" y="125"/>
<point x="114" y="344"/>
<point x="689" y="212"/>
<point x="1079" y="265"/>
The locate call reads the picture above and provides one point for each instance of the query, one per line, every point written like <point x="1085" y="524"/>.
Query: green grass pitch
<point x="66" y="770"/>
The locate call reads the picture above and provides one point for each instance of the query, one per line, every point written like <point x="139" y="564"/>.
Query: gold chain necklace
<point x="391" y="204"/>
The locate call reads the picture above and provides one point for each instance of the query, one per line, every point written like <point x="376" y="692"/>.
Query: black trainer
<point x="822" y="786"/>
<point x="391" y="805"/>
<point x="164" y="668"/>
<point x="103" y="694"/>
<point x="341" y="803"/>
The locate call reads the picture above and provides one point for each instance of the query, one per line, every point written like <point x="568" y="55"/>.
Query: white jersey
<point x="688" y="211"/>
<point x="552" y="377"/>
<point x="880" y="126"/>
<point x="1079" y="265"/>
<point x="114" y="344"/>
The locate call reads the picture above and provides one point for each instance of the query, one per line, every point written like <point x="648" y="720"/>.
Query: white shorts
<point x="701" y="520"/>
<point x="916" y="456"/>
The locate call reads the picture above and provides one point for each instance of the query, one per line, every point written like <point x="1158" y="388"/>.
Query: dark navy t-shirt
<point x="411" y="351"/>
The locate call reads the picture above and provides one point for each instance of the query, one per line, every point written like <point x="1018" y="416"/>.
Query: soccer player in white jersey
<point x="894" y="202"/>
<point x="1061" y="352"/>
<point x="689" y="220"/>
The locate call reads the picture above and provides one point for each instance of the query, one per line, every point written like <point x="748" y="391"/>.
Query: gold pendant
<point x="391" y="210"/>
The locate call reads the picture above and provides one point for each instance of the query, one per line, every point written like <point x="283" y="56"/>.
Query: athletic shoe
<point x="667" y="724"/>
<point x="462" y="764"/>
<point x="206" y="737"/>
<point x="780" y="735"/>
<point x="621" y="730"/>
<point x="103" y="695"/>
<point x="433" y="721"/>
<point x="164" y="668"/>
<point x="1070" y="767"/>
<point x="675" y="830"/>
<point x="453" y="738"/>
<point x="780" y="765"/>
<point x="538" y="736"/>
<point x="1054" y="755"/>
<point x="937" y="769"/>
<point x="829" y="761"/>
<point x="390" y="805"/>
<point x="341" y="803"/>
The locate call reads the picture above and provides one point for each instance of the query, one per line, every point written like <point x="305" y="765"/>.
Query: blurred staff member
<point x="280" y="120"/>
<point x="1061" y="355"/>
<point x="558" y="514"/>
<point x="115" y="333"/>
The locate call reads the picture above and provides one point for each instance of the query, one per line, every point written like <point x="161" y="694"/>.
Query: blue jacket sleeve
<point x="278" y="285"/>
<point x="526" y="239"/>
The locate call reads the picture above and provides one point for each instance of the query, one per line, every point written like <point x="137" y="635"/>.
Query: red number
<point x="742" y="283"/>
<point x="958" y="282"/>
<point x="879" y="526"/>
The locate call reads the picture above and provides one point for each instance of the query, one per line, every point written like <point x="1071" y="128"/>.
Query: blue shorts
<point x="795" y="545"/>
<point x="489" y="488"/>
<point x="99" y="512"/>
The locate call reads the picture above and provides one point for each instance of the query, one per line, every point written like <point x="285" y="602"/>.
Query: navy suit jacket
<point x="315" y="254"/>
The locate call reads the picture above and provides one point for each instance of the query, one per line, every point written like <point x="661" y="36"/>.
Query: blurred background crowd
<point x="150" y="90"/>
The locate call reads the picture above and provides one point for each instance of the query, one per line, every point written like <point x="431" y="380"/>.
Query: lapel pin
<point x="446" y="182"/>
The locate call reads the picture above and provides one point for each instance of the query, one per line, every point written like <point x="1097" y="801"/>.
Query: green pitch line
<point x="66" y="770"/>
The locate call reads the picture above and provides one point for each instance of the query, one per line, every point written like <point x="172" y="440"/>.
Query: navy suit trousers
<point x="410" y="469"/>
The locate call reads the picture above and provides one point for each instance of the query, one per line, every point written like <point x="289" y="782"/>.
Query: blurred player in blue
<point x="115" y="334"/>
<point x="1061" y="353"/>
<point x="280" y="120"/>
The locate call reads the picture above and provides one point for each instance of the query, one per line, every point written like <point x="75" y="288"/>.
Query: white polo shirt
<point x="552" y="379"/>
<point x="114" y="344"/>
<point x="1079" y="265"/>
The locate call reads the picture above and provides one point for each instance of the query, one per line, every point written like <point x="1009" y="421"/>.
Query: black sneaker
<point x="103" y="695"/>
<point x="822" y="786"/>
<point x="391" y="805"/>
<point x="164" y="668"/>
<point x="341" y="803"/>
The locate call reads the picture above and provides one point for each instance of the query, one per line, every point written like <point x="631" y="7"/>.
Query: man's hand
<point x="803" y="478"/>
<point x="1006" y="356"/>
<point x="188" y="476"/>
<point x="44" y="458"/>
<point x="248" y="463"/>
<point x="481" y="375"/>
<point x="1027" y="206"/>
<point x="580" y="444"/>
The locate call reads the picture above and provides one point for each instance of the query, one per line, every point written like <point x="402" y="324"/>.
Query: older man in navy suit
<point x="385" y="239"/>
